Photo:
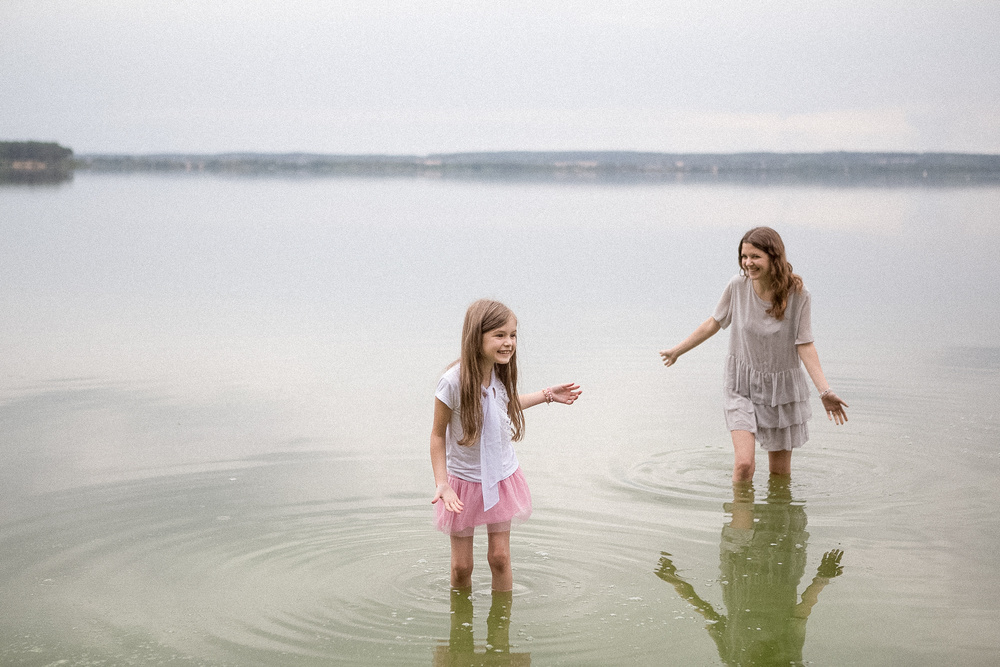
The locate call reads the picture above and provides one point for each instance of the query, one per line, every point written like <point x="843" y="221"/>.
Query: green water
<point x="215" y="403"/>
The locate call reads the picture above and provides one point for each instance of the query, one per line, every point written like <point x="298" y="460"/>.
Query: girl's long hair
<point x="784" y="281"/>
<point x="481" y="317"/>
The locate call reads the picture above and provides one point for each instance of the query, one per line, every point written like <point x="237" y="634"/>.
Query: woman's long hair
<point x="782" y="278"/>
<point x="483" y="316"/>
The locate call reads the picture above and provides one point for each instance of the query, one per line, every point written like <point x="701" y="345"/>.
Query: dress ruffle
<point x="774" y="406"/>
<point x="782" y="416"/>
<point x="764" y="388"/>
<point x="783" y="439"/>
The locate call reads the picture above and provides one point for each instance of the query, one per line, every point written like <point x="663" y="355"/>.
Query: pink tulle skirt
<point x="514" y="507"/>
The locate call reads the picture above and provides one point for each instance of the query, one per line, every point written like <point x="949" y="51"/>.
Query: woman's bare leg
<point x="744" y="448"/>
<point x="780" y="463"/>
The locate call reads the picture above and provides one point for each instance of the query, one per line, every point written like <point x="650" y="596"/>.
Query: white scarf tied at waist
<point x="491" y="448"/>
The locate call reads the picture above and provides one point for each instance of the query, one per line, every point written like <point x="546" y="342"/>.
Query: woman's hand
<point x="834" y="408"/>
<point x="670" y="356"/>
<point x="565" y="393"/>
<point x="667" y="570"/>
<point x="831" y="567"/>
<point x="447" y="495"/>
<point x="705" y="330"/>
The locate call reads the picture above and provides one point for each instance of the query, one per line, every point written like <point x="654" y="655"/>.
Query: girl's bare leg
<point x="780" y="463"/>
<point x="460" y="640"/>
<point x="461" y="562"/>
<point x="498" y="623"/>
<point x="744" y="448"/>
<point x="498" y="556"/>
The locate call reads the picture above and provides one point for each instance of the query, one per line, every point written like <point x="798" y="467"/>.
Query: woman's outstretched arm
<point x="705" y="330"/>
<point x="831" y="402"/>
<point x="668" y="572"/>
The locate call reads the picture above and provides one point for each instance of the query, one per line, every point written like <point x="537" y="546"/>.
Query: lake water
<point x="216" y="395"/>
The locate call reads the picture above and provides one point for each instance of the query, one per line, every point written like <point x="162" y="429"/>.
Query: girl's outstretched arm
<point x="831" y="402"/>
<point x="705" y="330"/>
<point x="439" y="461"/>
<point x="561" y="393"/>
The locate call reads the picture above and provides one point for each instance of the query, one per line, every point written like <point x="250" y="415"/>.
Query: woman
<point x="766" y="393"/>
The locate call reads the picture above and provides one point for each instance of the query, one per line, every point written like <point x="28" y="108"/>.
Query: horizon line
<point x="537" y="152"/>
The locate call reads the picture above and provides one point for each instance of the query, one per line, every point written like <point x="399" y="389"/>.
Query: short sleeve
<point x="724" y="311"/>
<point x="447" y="390"/>
<point x="804" y="334"/>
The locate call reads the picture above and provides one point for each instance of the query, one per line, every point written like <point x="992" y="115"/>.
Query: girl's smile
<point x="500" y="344"/>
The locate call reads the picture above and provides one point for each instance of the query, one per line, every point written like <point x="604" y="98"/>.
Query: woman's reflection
<point x="461" y="648"/>
<point x="762" y="559"/>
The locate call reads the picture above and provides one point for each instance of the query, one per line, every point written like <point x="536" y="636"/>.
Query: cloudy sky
<point x="423" y="76"/>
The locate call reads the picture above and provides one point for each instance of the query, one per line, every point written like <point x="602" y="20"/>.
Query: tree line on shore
<point x="846" y="167"/>
<point x="34" y="161"/>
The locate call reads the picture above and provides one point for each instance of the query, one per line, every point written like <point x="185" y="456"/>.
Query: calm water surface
<point x="215" y="403"/>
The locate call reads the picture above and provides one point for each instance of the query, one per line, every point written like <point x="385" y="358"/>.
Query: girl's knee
<point x="461" y="565"/>
<point x="499" y="560"/>
<point x="461" y="573"/>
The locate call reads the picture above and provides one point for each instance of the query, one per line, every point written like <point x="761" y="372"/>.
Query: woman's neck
<point x="763" y="287"/>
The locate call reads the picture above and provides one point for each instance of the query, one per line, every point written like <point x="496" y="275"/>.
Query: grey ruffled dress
<point x="766" y="389"/>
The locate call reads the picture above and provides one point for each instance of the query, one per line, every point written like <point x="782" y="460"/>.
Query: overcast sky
<point x="423" y="76"/>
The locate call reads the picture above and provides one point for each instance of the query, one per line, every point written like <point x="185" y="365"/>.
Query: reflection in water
<point x="762" y="559"/>
<point x="182" y="465"/>
<point x="461" y="648"/>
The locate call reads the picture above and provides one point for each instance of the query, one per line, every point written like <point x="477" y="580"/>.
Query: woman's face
<point x="755" y="262"/>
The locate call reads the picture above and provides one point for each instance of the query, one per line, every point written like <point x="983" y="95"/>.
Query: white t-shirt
<point x="464" y="461"/>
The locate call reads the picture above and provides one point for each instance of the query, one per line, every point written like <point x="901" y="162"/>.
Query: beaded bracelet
<point x="828" y="390"/>
<point x="547" y="394"/>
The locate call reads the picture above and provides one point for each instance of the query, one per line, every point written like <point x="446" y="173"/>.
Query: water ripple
<point x="211" y="566"/>
<point x="688" y="477"/>
<point x="197" y="567"/>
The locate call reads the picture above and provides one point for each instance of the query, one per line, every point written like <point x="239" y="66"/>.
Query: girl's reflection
<point x="461" y="650"/>
<point x="762" y="559"/>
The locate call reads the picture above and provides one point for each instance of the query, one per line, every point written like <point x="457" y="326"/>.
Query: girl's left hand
<point x="835" y="408"/>
<point x="565" y="393"/>
<point x="447" y="495"/>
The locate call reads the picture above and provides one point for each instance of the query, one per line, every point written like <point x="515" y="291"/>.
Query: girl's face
<point x="755" y="262"/>
<point x="499" y="344"/>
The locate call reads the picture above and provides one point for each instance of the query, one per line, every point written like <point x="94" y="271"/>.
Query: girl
<point x="477" y="413"/>
<point x="766" y="393"/>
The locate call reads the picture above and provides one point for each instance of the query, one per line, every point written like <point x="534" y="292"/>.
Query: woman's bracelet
<point x="547" y="393"/>
<point x="828" y="390"/>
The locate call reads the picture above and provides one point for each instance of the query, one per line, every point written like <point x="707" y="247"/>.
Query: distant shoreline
<point x="844" y="166"/>
<point x="49" y="162"/>
<point x="35" y="162"/>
